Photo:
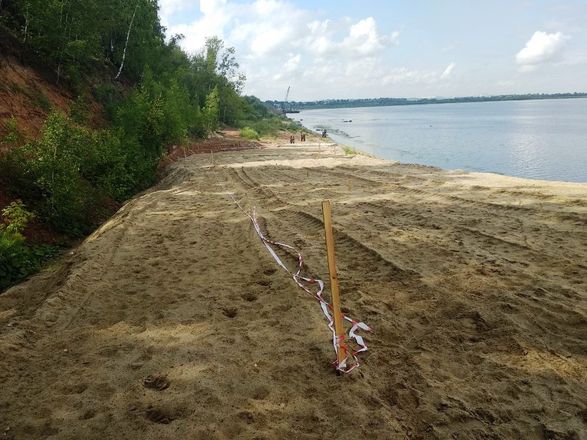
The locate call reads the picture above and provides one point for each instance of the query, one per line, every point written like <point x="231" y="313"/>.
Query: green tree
<point x="211" y="110"/>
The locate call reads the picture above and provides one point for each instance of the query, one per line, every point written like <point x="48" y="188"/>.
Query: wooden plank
<point x="338" y="320"/>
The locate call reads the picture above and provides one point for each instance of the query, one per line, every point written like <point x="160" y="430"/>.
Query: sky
<point x="392" y="48"/>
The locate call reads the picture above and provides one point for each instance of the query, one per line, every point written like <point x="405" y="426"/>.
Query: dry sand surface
<point x="173" y="322"/>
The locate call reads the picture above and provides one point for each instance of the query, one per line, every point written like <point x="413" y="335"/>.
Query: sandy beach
<point x="172" y="321"/>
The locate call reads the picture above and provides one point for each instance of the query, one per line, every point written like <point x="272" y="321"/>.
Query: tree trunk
<point x="66" y="29"/>
<point x="26" y="23"/>
<point x="127" y="38"/>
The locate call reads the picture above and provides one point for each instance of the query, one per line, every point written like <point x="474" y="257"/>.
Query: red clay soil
<point x="229" y="140"/>
<point x="26" y="96"/>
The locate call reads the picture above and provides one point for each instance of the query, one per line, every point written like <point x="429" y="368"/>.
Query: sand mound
<point x="172" y="321"/>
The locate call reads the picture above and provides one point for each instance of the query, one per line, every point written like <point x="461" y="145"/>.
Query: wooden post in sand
<point x="338" y="327"/>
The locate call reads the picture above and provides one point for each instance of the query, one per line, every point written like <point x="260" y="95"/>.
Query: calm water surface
<point x="534" y="139"/>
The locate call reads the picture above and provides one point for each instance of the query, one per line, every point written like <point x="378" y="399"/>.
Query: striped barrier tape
<point x="350" y="360"/>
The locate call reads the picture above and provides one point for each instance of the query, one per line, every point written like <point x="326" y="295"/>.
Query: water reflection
<point x="536" y="139"/>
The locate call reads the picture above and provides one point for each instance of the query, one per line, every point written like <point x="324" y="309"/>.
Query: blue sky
<point x="353" y="49"/>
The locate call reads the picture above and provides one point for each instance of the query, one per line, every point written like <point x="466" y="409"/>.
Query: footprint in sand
<point x="156" y="382"/>
<point x="158" y="416"/>
<point x="249" y="296"/>
<point x="229" y="312"/>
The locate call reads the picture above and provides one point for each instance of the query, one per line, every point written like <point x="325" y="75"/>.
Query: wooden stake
<point x="338" y="327"/>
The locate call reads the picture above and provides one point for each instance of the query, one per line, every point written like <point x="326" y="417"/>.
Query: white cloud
<point x="448" y="71"/>
<point x="404" y="75"/>
<point x="271" y="27"/>
<point x="364" y="38"/>
<point x="210" y="7"/>
<point x="167" y="8"/>
<point x="292" y="63"/>
<point x="540" y="49"/>
<point x="215" y="16"/>
<point x="506" y="83"/>
<point x="280" y="44"/>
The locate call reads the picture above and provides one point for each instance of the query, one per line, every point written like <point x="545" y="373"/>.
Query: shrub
<point x="109" y="96"/>
<point x="53" y="163"/>
<point x="48" y="174"/>
<point x="249" y="133"/>
<point x="13" y="136"/>
<point x="79" y="111"/>
<point x="270" y="125"/>
<point x="16" y="218"/>
<point x="41" y="100"/>
<point x="349" y="151"/>
<point x="17" y="260"/>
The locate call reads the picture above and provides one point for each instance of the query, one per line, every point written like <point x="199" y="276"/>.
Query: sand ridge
<point x="475" y="284"/>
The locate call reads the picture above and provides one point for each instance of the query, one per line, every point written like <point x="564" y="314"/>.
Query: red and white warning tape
<point x="315" y="288"/>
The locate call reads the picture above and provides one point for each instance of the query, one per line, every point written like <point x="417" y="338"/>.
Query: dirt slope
<point x="28" y="97"/>
<point x="475" y="285"/>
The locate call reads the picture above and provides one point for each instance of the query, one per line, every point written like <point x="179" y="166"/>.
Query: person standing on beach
<point x="303" y="137"/>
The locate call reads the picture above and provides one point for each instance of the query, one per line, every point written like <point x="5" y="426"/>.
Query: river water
<point x="543" y="139"/>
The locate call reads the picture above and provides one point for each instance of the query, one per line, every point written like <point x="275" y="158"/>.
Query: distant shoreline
<point x="389" y="102"/>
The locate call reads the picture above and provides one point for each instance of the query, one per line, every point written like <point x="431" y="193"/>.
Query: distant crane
<point x="284" y="108"/>
<point x="284" y="105"/>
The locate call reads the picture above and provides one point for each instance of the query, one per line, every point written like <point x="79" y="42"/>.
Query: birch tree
<point x="127" y="38"/>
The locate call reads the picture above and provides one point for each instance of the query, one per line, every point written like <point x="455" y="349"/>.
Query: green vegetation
<point x="113" y="53"/>
<point x="69" y="173"/>
<point x="71" y="37"/>
<point x="13" y="137"/>
<point x="258" y="117"/>
<point x="269" y="126"/>
<point x="17" y="260"/>
<point x="380" y="102"/>
<point x="349" y="151"/>
<point x="249" y="133"/>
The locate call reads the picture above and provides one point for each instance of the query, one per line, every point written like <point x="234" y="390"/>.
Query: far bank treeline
<point x="389" y="102"/>
<point x="114" y="54"/>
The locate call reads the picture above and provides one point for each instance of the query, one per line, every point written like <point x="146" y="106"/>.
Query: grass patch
<point x="269" y="126"/>
<point x="249" y="133"/>
<point x="41" y="100"/>
<point x="349" y="151"/>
